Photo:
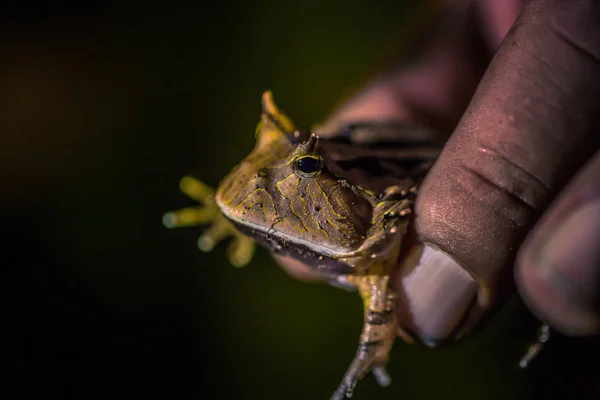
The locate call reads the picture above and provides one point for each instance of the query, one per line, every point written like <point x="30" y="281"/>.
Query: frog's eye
<point x="308" y="166"/>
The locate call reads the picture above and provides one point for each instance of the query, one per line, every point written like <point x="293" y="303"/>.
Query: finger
<point x="558" y="273"/>
<point x="531" y="124"/>
<point x="435" y="82"/>
<point x="497" y="17"/>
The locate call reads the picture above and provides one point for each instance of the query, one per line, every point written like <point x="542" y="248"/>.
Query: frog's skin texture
<point x="336" y="201"/>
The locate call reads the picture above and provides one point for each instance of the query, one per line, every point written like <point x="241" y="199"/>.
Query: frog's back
<point x="377" y="155"/>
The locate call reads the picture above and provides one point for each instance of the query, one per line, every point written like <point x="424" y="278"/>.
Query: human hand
<point x="512" y="184"/>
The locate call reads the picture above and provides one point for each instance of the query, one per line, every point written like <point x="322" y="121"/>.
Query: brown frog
<point x="340" y="202"/>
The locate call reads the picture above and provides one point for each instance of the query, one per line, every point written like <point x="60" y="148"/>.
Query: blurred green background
<point x="103" y="109"/>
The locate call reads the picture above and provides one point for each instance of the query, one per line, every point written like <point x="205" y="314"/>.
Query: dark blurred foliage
<point x="103" y="108"/>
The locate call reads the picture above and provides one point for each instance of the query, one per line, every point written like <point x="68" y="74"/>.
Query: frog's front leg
<point x="240" y="249"/>
<point x="378" y="334"/>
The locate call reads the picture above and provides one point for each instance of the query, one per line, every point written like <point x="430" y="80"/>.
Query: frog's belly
<point x="319" y="257"/>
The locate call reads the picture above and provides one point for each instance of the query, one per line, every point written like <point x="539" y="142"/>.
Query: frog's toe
<point x="219" y="230"/>
<point x="381" y="375"/>
<point x="240" y="250"/>
<point x="346" y="388"/>
<point x="206" y="243"/>
<point x="169" y="219"/>
<point x="359" y="367"/>
<point x="190" y="216"/>
<point x="196" y="189"/>
<point x="342" y="392"/>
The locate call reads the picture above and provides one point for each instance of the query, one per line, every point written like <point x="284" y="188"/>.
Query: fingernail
<point x="568" y="259"/>
<point x="436" y="294"/>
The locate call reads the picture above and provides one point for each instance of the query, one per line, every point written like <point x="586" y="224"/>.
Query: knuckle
<point x="498" y="178"/>
<point x="488" y="195"/>
<point x="575" y="23"/>
<point x="491" y="180"/>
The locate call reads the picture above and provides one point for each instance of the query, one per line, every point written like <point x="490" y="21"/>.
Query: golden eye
<point x="308" y="166"/>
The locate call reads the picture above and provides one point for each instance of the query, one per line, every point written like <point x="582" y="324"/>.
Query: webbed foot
<point x="241" y="248"/>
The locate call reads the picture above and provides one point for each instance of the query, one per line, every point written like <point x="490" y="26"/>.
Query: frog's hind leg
<point x="241" y="248"/>
<point x="377" y="337"/>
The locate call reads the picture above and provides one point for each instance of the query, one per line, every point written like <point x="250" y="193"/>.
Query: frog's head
<point x="284" y="195"/>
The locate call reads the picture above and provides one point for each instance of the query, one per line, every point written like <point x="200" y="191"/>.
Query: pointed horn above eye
<point x="272" y="117"/>
<point x="311" y="144"/>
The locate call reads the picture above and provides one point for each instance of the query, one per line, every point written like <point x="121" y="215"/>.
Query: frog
<point x="341" y="202"/>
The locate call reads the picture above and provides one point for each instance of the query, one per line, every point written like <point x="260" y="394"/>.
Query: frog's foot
<point x="366" y="360"/>
<point x="536" y="348"/>
<point x="240" y="249"/>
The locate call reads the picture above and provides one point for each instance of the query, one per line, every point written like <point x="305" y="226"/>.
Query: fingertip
<point x="562" y="294"/>
<point x="558" y="266"/>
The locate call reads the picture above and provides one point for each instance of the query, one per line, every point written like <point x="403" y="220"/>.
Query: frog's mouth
<point x="317" y="260"/>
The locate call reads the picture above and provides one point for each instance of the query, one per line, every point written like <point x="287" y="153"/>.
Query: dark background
<point x="103" y="108"/>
